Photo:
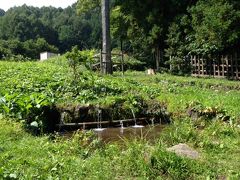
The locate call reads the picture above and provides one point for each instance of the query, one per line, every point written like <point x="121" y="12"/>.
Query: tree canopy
<point x="176" y="27"/>
<point x="61" y="28"/>
<point x="2" y="12"/>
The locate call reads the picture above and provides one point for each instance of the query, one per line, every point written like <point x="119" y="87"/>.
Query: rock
<point x="193" y="113"/>
<point x="151" y="72"/>
<point x="185" y="151"/>
<point x="34" y="124"/>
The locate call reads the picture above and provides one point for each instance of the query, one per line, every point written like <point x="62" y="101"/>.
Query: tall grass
<point x="23" y="156"/>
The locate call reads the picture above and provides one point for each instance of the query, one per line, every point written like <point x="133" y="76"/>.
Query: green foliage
<point x="14" y="50"/>
<point x="31" y="108"/>
<point x="84" y="6"/>
<point x="144" y="24"/>
<point x="51" y="83"/>
<point x="214" y="25"/>
<point x="209" y="27"/>
<point x="130" y="63"/>
<point x="174" y="166"/>
<point x="177" y="40"/>
<point x="61" y="28"/>
<point x="2" y="12"/>
<point x="76" y="58"/>
<point x="29" y="91"/>
<point x="119" y="23"/>
<point x="83" y="156"/>
<point x="23" y="23"/>
<point x="179" y="28"/>
<point x="80" y="57"/>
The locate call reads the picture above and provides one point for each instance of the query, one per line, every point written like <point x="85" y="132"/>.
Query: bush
<point x="15" y="50"/>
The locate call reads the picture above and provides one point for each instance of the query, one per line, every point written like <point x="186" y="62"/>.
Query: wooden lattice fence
<point x="227" y="66"/>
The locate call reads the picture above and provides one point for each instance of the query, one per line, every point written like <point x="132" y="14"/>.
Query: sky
<point x="6" y="4"/>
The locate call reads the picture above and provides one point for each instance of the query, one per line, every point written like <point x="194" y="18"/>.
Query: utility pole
<point x="106" y="38"/>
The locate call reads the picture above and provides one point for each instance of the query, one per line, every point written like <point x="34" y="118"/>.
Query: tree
<point x="106" y="44"/>
<point x="2" y="12"/>
<point x="207" y="28"/>
<point x="215" y="26"/>
<point x="23" y="23"/>
<point x="85" y="6"/>
<point x="62" y="28"/>
<point x="28" y="49"/>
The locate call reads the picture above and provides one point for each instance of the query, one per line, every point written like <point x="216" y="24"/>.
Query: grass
<point x="28" y="87"/>
<point x="51" y="82"/>
<point x="23" y="156"/>
<point x="178" y="92"/>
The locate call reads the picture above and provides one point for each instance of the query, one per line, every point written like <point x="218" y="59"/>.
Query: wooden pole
<point x="214" y="67"/>
<point x="232" y="70"/>
<point x="157" y="58"/>
<point x="106" y="44"/>
<point x="236" y="64"/>
<point x="170" y="59"/>
<point x="199" y="65"/>
<point x="101" y="63"/>
<point x="227" y="66"/>
<point x="195" y="64"/>
<point x="192" y="70"/>
<point x="122" y="57"/>
<point x="222" y="65"/>
<point x="219" y="73"/>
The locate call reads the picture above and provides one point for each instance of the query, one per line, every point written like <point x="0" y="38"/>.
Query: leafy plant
<point x="77" y="58"/>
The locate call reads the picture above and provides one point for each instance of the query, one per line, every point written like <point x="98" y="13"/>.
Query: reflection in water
<point x="150" y="133"/>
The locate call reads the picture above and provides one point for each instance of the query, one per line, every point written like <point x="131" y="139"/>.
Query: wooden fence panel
<point x="226" y="66"/>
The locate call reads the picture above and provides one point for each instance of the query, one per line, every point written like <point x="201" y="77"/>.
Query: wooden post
<point x="222" y="63"/>
<point x="122" y="57"/>
<point x="214" y="67"/>
<point x="236" y="64"/>
<point x="198" y="65"/>
<point x="157" y="58"/>
<point x="211" y="66"/>
<point x="219" y="61"/>
<point x="170" y="59"/>
<point x="192" y="65"/>
<point x="227" y="66"/>
<point x="195" y="64"/>
<point x="232" y="70"/>
<point x="101" y="62"/>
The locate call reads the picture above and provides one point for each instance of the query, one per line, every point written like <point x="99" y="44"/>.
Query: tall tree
<point x="85" y="6"/>
<point x="106" y="39"/>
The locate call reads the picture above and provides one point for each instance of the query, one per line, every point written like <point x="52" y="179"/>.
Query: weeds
<point x="30" y="90"/>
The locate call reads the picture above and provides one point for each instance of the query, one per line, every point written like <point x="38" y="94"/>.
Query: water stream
<point x="99" y="121"/>
<point x="119" y="135"/>
<point x="149" y="133"/>
<point x="135" y="120"/>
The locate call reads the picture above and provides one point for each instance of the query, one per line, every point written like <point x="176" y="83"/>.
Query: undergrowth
<point x="205" y="115"/>
<point x="30" y="89"/>
<point x="83" y="156"/>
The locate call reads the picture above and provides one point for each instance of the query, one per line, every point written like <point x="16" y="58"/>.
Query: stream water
<point x="149" y="133"/>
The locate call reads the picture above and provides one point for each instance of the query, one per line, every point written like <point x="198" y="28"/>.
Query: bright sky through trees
<point x="6" y="4"/>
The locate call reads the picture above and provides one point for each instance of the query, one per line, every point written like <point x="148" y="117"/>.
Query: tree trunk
<point x="157" y="58"/>
<point x="106" y="39"/>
